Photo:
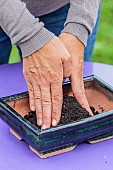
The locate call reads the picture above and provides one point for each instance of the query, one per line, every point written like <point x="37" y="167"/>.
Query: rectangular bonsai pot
<point x="99" y="127"/>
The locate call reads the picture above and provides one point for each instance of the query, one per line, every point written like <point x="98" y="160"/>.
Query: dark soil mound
<point x="71" y="112"/>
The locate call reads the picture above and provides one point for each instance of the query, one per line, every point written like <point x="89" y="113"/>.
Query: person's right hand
<point x="44" y="72"/>
<point x="76" y="50"/>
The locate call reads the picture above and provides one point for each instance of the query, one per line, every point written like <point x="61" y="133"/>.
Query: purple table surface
<point x="15" y="155"/>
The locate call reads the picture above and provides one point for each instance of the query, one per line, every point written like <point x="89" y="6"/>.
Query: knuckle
<point x="46" y="103"/>
<point x="56" y="99"/>
<point x="33" y="69"/>
<point x="37" y="96"/>
<point x="37" y="101"/>
<point x="39" y="114"/>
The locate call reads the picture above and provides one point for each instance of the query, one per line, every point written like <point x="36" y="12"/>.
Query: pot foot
<point x="16" y="135"/>
<point x="101" y="138"/>
<point x="53" y="152"/>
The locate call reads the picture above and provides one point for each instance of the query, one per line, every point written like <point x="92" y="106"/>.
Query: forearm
<point x="81" y="18"/>
<point x="22" y="27"/>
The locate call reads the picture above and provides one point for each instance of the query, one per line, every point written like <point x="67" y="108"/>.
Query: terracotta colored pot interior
<point x="98" y="96"/>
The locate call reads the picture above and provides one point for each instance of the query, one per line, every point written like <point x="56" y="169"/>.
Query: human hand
<point x="76" y="50"/>
<point x="44" y="71"/>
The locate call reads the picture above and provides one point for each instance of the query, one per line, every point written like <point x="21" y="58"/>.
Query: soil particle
<point x="71" y="112"/>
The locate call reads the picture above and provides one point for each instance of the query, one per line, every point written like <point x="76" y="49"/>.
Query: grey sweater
<point x="17" y="18"/>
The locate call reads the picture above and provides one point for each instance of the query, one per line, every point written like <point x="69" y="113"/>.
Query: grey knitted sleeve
<point x="81" y="18"/>
<point x="30" y="34"/>
<point x="22" y="27"/>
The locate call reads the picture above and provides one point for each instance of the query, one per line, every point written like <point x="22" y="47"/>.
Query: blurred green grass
<point x="103" y="51"/>
<point x="14" y="57"/>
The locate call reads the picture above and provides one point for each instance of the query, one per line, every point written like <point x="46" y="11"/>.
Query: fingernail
<point x="39" y="122"/>
<point x="33" y="108"/>
<point x="44" y="126"/>
<point x="54" y="122"/>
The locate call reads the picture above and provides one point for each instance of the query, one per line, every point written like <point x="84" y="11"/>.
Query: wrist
<point x="77" y="30"/>
<point x="36" y="42"/>
<point x="72" y="42"/>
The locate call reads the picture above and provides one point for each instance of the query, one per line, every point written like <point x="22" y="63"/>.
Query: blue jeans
<point x="54" y="22"/>
<point x="91" y="41"/>
<point x="5" y="47"/>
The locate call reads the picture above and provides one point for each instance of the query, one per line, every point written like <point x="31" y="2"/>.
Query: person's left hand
<point x="76" y="50"/>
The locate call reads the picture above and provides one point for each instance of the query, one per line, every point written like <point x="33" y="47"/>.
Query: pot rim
<point x="52" y="129"/>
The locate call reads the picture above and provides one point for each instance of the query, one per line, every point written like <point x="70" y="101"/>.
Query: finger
<point x="37" y="92"/>
<point x="79" y="93"/>
<point x="67" y="66"/>
<point x="38" y="104"/>
<point x="56" y="90"/>
<point x="77" y="83"/>
<point x="31" y="96"/>
<point x="30" y="90"/>
<point x="46" y="106"/>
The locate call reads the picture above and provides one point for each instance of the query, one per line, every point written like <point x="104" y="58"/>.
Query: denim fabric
<point x="91" y="41"/>
<point x="5" y="47"/>
<point x="54" y="22"/>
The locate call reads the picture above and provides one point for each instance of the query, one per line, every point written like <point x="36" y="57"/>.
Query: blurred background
<point x="103" y="51"/>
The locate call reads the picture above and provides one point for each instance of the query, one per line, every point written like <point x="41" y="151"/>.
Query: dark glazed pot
<point x="92" y="129"/>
